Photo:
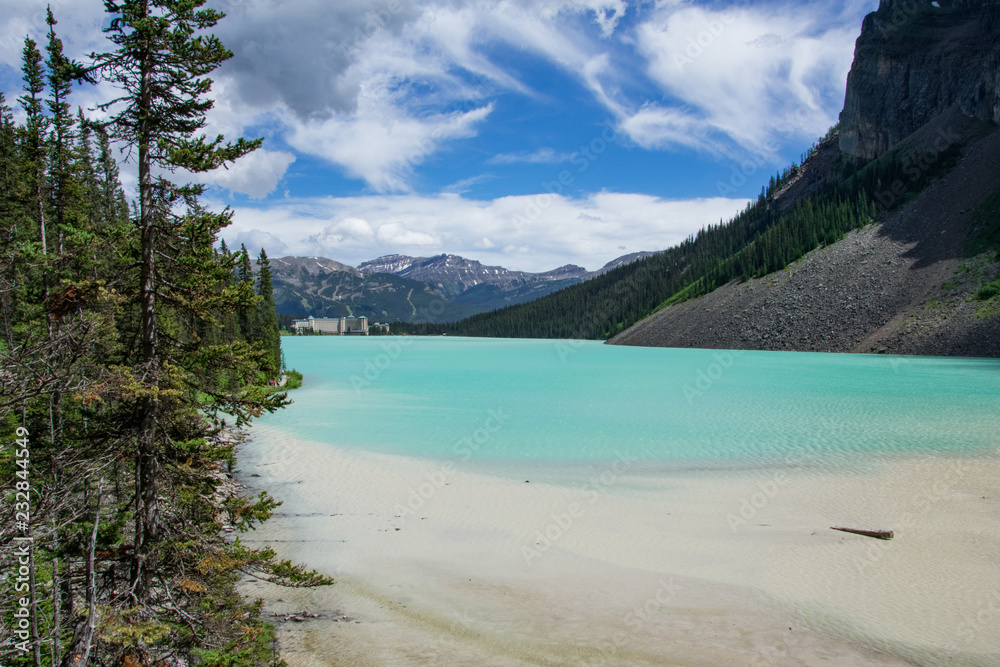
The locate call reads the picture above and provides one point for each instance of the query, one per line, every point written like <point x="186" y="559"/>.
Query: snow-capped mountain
<point x="455" y="275"/>
<point x="386" y="287"/>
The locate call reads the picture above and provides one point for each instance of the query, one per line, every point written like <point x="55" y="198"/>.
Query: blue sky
<point x="528" y="134"/>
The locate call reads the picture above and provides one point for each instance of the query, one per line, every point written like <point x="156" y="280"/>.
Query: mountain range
<point x="443" y="288"/>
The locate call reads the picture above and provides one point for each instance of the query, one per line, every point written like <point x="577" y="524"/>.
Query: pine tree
<point x="113" y="209"/>
<point x="10" y="217"/>
<point x="161" y="65"/>
<point x="61" y="181"/>
<point x="269" y="335"/>
<point x="8" y="163"/>
<point x="249" y="314"/>
<point x="245" y="268"/>
<point x="76" y="375"/>
<point x="33" y="141"/>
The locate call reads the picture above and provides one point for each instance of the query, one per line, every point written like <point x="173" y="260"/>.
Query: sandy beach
<point x="629" y="562"/>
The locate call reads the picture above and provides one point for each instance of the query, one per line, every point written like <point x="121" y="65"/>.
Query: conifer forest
<point x="132" y="351"/>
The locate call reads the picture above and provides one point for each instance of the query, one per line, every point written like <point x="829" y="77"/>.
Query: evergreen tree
<point x="228" y="329"/>
<point x="10" y="217"/>
<point x="244" y="272"/>
<point x="161" y="65"/>
<point x="63" y="188"/>
<point x="269" y="335"/>
<point x="79" y="309"/>
<point x="113" y="208"/>
<point x="87" y="191"/>
<point x="249" y="321"/>
<point x="33" y="141"/>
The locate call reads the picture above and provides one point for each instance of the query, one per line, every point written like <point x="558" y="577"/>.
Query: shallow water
<point x="490" y="401"/>
<point x="402" y="467"/>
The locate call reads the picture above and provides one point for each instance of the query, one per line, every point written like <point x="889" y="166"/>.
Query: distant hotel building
<point x="333" y="325"/>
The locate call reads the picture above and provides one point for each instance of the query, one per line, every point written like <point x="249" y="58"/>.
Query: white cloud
<point x="541" y="156"/>
<point x="655" y="126"/>
<point x="256" y="174"/>
<point x="255" y="239"/>
<point x="380" y="143"/>
<point x="354" y="229"/>
<point x="373" y="87"/>
<point x="749" y="76"/>
<point x="466" y="183"/>
<point x="79" y="27"/>
<point x="607" y="15"/>
<point x="532" y="232"/>
<point x="393" y="234"/>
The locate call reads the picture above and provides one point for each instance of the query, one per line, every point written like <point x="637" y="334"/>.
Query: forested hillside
<point x="324" y="288"/>
<point x="806" y="206"/>
<point x="127" y="340"/>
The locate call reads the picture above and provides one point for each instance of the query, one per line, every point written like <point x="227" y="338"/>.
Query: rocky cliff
<point x="925" y="85"/>
<point x="915" y="59"/>
<point x="906" y="285"/>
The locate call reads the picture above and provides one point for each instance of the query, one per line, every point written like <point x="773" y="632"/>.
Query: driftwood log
<point x="877" y="534"/>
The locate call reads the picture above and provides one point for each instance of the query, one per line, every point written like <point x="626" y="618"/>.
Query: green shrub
<point x="989" y="291"/>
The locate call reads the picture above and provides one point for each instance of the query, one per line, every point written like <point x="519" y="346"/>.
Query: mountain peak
<point x="625" y="259"/>
<point x="312" y="265"/>
<point x="388" y="264"/>
<point x="383" y="287"/>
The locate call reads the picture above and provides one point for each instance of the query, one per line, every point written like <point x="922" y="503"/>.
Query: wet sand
<point x="630" y="563"/>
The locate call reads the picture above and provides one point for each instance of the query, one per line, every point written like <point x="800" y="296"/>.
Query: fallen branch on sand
<point x="878" y="534"/>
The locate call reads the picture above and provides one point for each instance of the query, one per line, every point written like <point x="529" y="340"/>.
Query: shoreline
<point x="700" y="568"/>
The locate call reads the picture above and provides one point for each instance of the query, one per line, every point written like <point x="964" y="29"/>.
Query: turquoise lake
<point x="493" y="400"/>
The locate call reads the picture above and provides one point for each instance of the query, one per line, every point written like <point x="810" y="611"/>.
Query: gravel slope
<point x="880" y="289"/>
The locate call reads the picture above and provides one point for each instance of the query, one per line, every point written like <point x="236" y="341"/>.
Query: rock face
<point x="621" y="261"/>
<point x="915" y="59"/>
<point x="292" y="267"/>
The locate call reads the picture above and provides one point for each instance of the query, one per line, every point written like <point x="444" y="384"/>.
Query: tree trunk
<point x="67" y="591"/>
<point x="56" y="620"/>
<point x="878" y="534"/>
<point x="148" y="514"/>
<point x="88" y="633"/>
<point x="41" y="208"/>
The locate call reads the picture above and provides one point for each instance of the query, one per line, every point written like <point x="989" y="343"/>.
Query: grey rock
<point x="912" y="62"/>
